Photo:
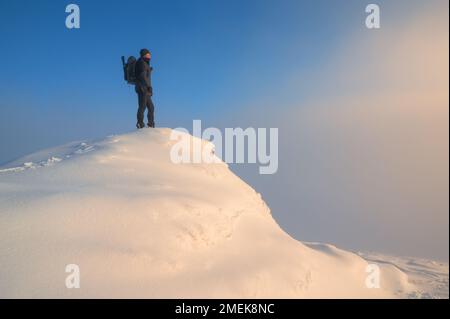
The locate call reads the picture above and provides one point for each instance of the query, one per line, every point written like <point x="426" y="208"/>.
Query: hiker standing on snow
<point x="143" y="88"/>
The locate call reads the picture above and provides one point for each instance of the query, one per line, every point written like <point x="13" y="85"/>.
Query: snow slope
<point x="138" y="225"/>
<point x="429" y="276"/>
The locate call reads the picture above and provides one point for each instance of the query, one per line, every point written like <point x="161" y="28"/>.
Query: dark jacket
<point x="143" y="77"/>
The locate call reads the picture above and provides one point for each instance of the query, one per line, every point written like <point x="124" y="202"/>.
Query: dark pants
<point x="145" y="102"/>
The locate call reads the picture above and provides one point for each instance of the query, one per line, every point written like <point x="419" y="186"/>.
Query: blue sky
<point x="58" y="84"/>
<point x="261" y="63"/>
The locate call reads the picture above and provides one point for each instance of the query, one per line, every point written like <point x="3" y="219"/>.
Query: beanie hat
<point x="144" y="52"/>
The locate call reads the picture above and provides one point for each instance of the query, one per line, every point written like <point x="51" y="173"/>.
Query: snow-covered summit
<point x="138" y="225"/>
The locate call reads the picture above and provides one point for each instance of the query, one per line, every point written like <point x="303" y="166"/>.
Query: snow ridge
<point x="138" y="225"/>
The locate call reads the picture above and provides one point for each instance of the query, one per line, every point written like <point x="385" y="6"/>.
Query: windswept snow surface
<point x="140" y="226"/>
<point x="429" y="276"/>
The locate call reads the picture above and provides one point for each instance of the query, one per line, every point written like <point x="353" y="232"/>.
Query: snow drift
<point x="138" y="225"/>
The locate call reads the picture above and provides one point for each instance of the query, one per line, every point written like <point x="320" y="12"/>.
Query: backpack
<point x="129" y="73"/>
